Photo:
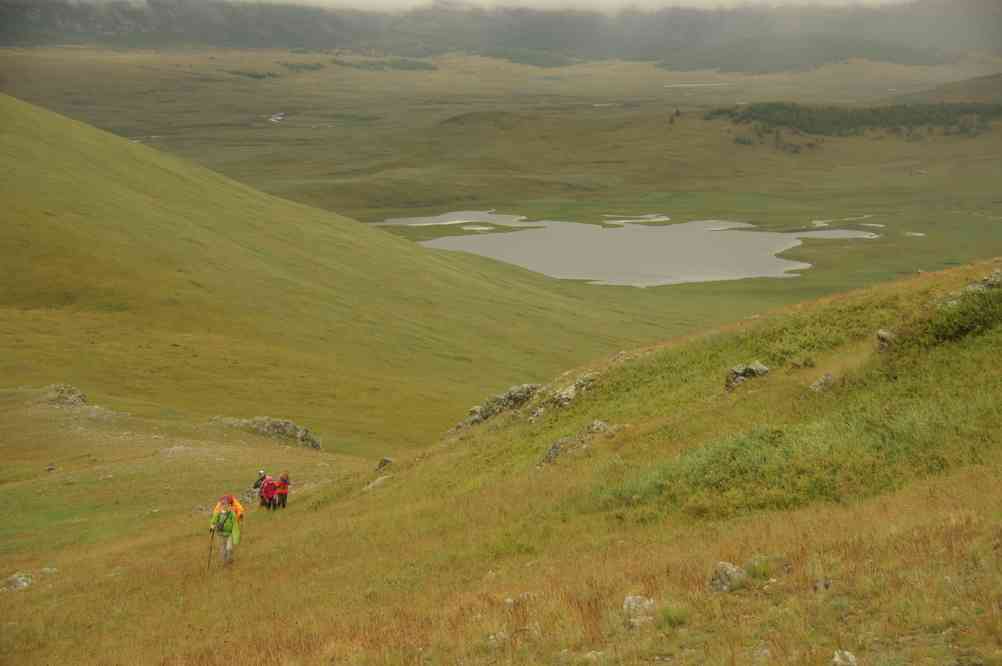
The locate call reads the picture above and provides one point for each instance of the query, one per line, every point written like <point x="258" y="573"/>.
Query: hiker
<point x="227" y="517"/>
<point x="282" y="490"/>
<point x="258" y="484"/>
<point x="268" y="488"/>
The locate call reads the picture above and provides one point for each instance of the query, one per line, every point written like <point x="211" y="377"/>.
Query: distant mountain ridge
<point x="739" y="39"/>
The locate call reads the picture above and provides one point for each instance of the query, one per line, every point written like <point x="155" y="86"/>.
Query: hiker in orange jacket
<point x="282" y="490"/>
<point x="227" y="519"/>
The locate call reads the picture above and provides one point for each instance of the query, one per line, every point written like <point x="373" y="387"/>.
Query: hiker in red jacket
<point x="268" y="488"/>
<point x="282" y="490"/>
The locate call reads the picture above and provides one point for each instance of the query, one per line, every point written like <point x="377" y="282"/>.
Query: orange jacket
<point x="238" y="508"/>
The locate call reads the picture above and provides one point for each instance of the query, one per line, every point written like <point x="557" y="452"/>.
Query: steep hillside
<point x="154" y="283"/>
<point x="862" y="511"/>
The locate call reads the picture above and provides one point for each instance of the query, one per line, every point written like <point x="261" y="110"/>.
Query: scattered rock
<point x="497" y="640"/>
<point x="48" y="571"/>
<point x="557" y="448"/>
<point x="824" y="383"/>
<point x="762" y="655"/>
<point x="822" y="584"/>
<point x="597" y="427"/>
<point x="18" y="581"/>
<point x="739" y="374"/>
<point x="727" y="577"/>
<point x="637" y="606"/>
<point x="539" y="411"/>
<point x="513" y="398"/>
<point x="885" y="339"/>
<point x="51" y="468"/>
<point x="383" y="464"/>
<point x="594" y="655"/>
<point x="378" y="482"/>
<point x="844" y="658"/>
<point x="275" y="428"/>
<point x="65" y="395"/>
<point x="579" y="441"/>
<point x="567" y="395"/>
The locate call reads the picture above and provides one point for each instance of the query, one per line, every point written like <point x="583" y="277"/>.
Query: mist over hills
<point x="748" y="38"/>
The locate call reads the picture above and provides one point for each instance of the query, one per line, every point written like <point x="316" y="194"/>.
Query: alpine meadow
<point x="501" y="333"/>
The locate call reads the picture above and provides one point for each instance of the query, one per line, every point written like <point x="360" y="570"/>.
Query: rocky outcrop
<point x="727" y="577"/>
<point x="513" y="398"/>
<point x="739" y="374"/>
<point x="282" y="429"/>
<point x="565" y="396"/>
<point x="64" y="395"/>
<point x="383" y="464"/>
<point x="985" y="284"/>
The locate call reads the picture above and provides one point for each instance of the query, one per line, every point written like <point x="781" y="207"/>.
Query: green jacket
<point x="226" y="523"/>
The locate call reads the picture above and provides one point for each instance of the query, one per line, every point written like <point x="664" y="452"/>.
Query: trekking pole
<point x="212" y="536"/>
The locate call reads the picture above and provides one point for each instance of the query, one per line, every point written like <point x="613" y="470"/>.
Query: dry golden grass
<point x="470" y="554"/>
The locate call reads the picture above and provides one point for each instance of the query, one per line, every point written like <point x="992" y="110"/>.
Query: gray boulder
<point x="727" y="577"/>
<point x="637" y="606"/>
<point x="844" y="658"/>
<point x="739" y="374"/>
<point x="18" y="581"/>
<point x="885" y="339"/>
<point x="65" y="395"/>
<point x="824" y="383"/>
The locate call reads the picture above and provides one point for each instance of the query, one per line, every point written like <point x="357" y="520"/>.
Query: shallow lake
<point x="632" y="253"/>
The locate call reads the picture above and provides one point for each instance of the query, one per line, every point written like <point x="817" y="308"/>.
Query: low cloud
<point x="599" y="5"/>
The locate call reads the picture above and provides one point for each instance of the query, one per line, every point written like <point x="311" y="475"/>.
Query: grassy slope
<point x="888" y="487"/>
<point x="158" y="285"/>
<point x="983" y="89"/>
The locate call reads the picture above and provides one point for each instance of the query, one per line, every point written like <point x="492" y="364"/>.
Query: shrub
<point x="672" y="617"/>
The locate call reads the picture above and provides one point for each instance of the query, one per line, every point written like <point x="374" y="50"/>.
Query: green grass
<point x="152" y="283"/>
<point x="433" y="555"/>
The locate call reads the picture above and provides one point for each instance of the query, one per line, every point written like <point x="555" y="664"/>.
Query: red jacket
<point x="268" y="488"/>
<point x="282" y="487"/>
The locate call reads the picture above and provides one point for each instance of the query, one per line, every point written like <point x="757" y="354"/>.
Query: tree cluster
<point x="844" y="121"/>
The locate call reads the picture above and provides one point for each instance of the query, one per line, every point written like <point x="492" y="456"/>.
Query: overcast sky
<point x="609" y="5"/>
